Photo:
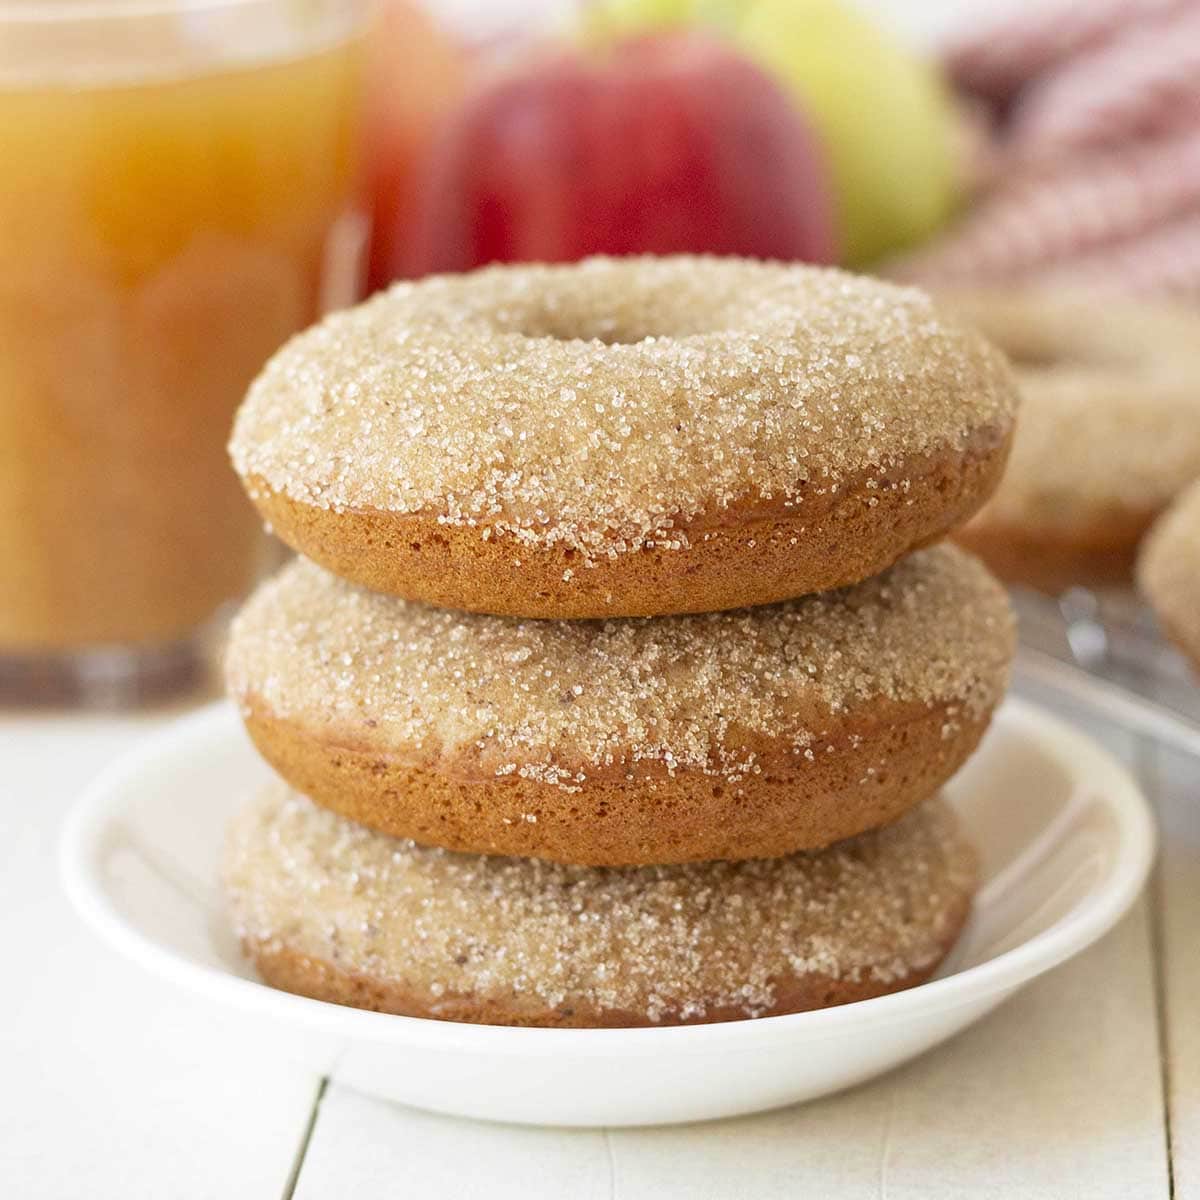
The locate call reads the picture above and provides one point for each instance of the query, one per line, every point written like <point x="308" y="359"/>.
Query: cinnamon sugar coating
<point x="603" y="406"/>
<point x="521" y="941"/>
<point x="556" y="701"/>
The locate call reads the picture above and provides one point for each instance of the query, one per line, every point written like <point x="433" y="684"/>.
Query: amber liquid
<point x="159" y="239"/>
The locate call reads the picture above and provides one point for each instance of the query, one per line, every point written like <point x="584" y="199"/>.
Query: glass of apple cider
<point x="178" y="195"/>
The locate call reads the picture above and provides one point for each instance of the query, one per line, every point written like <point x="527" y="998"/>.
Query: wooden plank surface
<point x="114" y="1084"/>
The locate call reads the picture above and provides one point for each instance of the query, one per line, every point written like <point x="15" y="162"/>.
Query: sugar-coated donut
<point x="741" y="734"/>
<point x="1169" y="572"/>
<point x="624" y="437"/>
<point x="1109" y="432"/>
<point x="330" y="910"/>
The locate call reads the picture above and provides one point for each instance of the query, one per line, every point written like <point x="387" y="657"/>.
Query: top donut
<point x="625" y="437"/>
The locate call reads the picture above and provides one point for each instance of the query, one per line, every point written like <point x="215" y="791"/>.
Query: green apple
<point x="889" y="129"/>
<point x="888" y="125"/>
<point x="620" y="18"/>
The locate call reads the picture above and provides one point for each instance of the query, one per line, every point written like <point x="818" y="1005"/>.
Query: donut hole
<point x="1036" y="360"/>
<point x="598" y="328"/>
<point x="612" y="328"/>
<point x="1038" y="352"/>
<point x="1049" y="334"/>
<point x="608" y="306"/>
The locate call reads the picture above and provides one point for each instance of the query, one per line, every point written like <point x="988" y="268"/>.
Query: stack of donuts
<point x="620" y="673"/>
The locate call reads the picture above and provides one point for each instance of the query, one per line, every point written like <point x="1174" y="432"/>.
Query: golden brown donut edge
<point x="1051" y="561"/>
<point x="868" y="768"/>
<point x="751" y="553"/>
<point x="1168" y="573"/>
<point x="303" y="975"/>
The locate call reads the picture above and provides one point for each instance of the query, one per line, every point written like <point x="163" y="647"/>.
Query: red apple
<point x="660" y="144"/>
<point x="415" y="74"/>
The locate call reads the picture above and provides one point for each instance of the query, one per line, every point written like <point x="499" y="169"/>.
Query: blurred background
<point x="188" y="182"/>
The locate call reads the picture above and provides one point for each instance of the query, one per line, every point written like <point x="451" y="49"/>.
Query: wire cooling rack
<point x="1103" y="651"/>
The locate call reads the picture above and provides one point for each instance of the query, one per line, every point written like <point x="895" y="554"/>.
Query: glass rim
<point x="49" y="12"/>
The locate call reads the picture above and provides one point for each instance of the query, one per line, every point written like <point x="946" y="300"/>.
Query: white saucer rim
<point x="88" y="825"/>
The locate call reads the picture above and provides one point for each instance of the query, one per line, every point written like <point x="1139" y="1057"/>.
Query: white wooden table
<point x="116" y="1085"/>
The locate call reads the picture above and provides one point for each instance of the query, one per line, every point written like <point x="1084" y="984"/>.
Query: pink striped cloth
<point x="1164" y="261"/>
<point x="997" y="57"/>
<point x="1093" y="172"/>
<point x="1141" y="84"/>
<point x="1033" y="220"/>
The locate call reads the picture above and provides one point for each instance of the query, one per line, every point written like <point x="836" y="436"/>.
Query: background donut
<point x="330" y="910"/>
<point x="1169" y="572"/>
<point x="731" y="735"/>
<point x="625" y="436"/>
<point x="1109" y="432"/>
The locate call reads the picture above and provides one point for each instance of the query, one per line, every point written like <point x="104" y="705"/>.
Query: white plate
<point x="1066" y="840"/>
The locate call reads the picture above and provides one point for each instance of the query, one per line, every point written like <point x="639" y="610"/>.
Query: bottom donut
<point x="331" y="910"/>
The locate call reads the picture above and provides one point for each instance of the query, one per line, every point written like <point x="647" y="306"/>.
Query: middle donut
<point x="744" y="734"/>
